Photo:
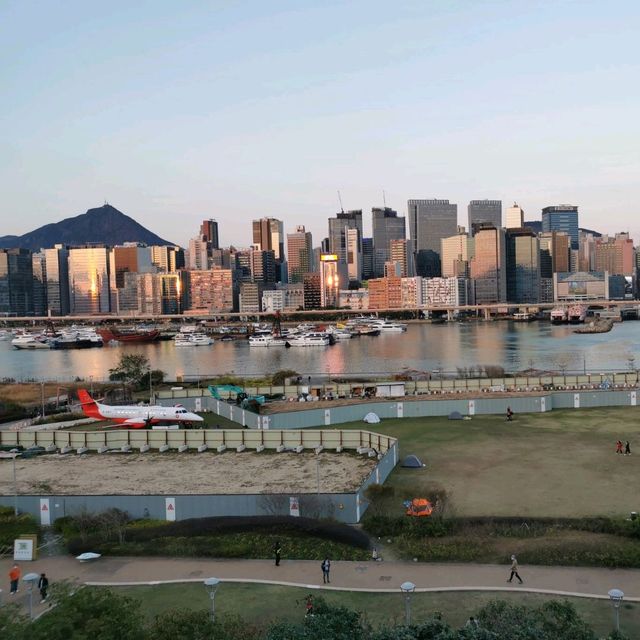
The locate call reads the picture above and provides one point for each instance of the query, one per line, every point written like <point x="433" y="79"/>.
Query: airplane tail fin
<point x="89" y="405"/>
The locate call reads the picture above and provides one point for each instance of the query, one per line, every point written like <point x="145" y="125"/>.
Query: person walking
<point x="14" y="579"/>
<point x="627" y="448"/>
<point x="619" y="446"/>
<point x="277" y="550"/>
<point x="43" y="585"/>
<point x="326" y="567"/>
<point x="509" y="414"/>
<point x="514" y="570"/>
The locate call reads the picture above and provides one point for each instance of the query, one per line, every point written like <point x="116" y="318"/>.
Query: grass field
<point x="262" y="604"/>
<point x="561" y="463"/>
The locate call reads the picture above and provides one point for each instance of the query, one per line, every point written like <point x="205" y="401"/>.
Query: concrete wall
<point x="484" y="404"/>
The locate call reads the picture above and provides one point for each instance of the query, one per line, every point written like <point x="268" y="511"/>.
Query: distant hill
<point x="103" y="224"/>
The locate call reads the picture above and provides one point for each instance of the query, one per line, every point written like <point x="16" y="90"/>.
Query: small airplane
<point x="135" y="416"/>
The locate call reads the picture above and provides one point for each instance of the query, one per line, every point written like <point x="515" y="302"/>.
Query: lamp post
<point x="407" y="588"/>
<point x="15" y="453"/>
<point x="318" y="473"/>
<point x="211" y="584"/>
<point x="31" y="579"/>
<point x="42" y="397"/>
<point x="616" y="597"/>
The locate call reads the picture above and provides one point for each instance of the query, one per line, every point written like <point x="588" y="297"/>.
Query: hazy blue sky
<point x="174" y="111"/>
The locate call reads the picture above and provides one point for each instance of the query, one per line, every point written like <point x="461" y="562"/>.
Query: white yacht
<point x="339" y="334"/>
<point x="387" y="326"/>
<point x="31" y="341"/>
<point x="192" y="340"/>
<point x="311" y="339"/>
<point x="268" y="340"/>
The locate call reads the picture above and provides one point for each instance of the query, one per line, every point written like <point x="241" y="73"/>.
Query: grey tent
<point x="412" y="462"/>
<point x="455" y="415"/>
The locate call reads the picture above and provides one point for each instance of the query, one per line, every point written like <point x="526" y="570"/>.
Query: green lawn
<point x="262" y="604"/>
<point x="561" y="463"/>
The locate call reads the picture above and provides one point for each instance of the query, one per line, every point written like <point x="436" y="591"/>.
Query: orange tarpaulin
<point x="420" y="508"/>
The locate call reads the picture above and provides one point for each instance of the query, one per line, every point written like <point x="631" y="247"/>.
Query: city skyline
<point x="165" y="115"/>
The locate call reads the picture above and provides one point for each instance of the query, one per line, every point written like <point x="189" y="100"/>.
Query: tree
<point x="89" y="614"/>
<point x="197" y="625"/>
<point x="131" y="369"/>
<point x="13" y="623"/>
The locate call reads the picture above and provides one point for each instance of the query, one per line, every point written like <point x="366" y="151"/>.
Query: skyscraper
<point x="563" y="217"/>
<point x="387" y="226"/>
<point x="268" y="235"/>
<point x="57" y="272"/>
<point x="209" y="230"/>
<point x="430" y="221"/>
<point x="367" y="258"/>
<point x="488" y="266"/>
<point x="91" y="280"/>
<point x="299" y="254"/>
<point x="354" y="254"/>
<point x="515" y="217"/>
<point x="484" y="211"/>
<point x="523" y="266"/>
<point x="337" y="232"/>
<point x="39" y="269"/>
<point x="456" y="252"/>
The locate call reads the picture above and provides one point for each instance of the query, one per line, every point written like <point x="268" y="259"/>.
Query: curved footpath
<point x="374" y="577"/>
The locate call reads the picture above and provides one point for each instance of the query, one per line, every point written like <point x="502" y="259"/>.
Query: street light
<point x="407" y="588"/>
<point x="31" y="579"/>
<point x="616" y="597"/>
<point x="15" y="482"/>
<point x="211" y="584"/>
<point x="42" y="397"/>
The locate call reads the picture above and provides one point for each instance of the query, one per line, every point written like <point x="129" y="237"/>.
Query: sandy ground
<point x="185" y="473"/>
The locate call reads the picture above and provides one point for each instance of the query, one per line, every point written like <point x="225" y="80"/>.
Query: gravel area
<point x="185" y="473"/>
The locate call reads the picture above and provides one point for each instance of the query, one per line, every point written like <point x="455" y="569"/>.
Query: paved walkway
<point x="347" y="576"/>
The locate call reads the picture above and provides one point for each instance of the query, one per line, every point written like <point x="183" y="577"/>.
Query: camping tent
<point x="455" y="415"/>
<point x="371" y="418"/>
<point x="412" y="462"/>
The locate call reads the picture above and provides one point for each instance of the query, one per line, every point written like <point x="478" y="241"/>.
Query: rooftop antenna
<point x="384" y="199"/>
<point x="340" y="200"/>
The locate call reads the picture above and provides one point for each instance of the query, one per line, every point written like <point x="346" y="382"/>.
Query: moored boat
<point x="129" y="335"/>
<point x="558" y="315"/>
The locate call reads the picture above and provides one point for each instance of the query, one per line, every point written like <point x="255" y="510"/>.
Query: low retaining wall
<point x="485" y="404"/>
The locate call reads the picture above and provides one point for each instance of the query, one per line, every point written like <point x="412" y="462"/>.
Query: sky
<point x="178" y="111"/>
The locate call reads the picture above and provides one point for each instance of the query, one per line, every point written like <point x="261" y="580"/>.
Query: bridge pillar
<point x="487" y="314"/>
<point x="449" y="315"/>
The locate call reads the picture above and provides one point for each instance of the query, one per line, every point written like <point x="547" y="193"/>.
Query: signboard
<point x="543" y="404"/>
<point x="400" y="410"/>
<point x="472" y="407"/>
<point x="294" y="507"/>
<point x="198" y="404"/>
<point x="327" y="417"/>
<point x="45" y="512"/>
<point x="633" y="399"/>
<point x="23" y="549"/>
<point x="170" y="509"/>
<point x="576" y="400"/>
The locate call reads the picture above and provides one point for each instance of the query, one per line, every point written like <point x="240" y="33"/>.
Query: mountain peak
<point x="104" y="224"/>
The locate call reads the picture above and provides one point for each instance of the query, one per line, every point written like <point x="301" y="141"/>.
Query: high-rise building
<point x="331" y="279"/>
<point x="338" y="232"/>
<point x="523" y="266"/>
<point x="16" y="282"/>
<point x="209" y="231"/>
<point x="515" y="217"/>
<point x="400" y="253"/>
<point x="211" y="291"/>
<point x="385" y="293"/>
<point x="299" y="254"/>
<point x="488" y="266"/>
<point x="554" y="253"/>
<point x="131" y="257"/>
<point x="39" y="269"/>
<point x="268" y="235"/>
<point x="92" y="286"/>
<point x="445" y="292"/>
<point x="57" y="272"/>
<point x="367" y="258"/>
<point x="615" y="255"/>
<point x="455" y="254"/>
<point x="199" y="254"/>
<point x="263" y="267"/>
<point x="563" y="217"/>
<point x="429" y="222"/>
<point x="250" y="300"/>
<point x="387" y="226"/>
<point x="353" y="239"/>
<point x="312" y="290"/>
<point x="488" y="212"/>
<point x="167" y="259"/>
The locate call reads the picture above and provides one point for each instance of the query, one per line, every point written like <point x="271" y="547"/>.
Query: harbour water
<point x="424" y="347"/>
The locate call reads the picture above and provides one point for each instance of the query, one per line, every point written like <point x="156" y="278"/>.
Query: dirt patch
<point x="187" y="473"/>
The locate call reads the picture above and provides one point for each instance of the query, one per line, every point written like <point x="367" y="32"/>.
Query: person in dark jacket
<point x="277" y="550"/>
<point x="326" y="567"/>
<point x="43" y="585"/>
